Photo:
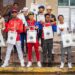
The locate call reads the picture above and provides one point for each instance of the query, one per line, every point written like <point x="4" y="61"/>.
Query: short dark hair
<point x="47" y="15"/>
<point x="30" y="13"/>
<point x="59" y="16"/>
<point x="15" y="3"/>
<point x="41" y="7"/>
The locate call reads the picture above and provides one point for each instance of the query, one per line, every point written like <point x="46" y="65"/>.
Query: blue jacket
<point x="39" y="25"/>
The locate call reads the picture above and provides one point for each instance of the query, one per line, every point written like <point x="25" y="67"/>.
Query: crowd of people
<point x="25" y="28"/>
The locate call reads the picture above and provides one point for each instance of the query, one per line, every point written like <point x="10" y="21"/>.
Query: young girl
<point x="2" y="27"/>
<point x="31" y="26"/>
<point x="62" y="28"/>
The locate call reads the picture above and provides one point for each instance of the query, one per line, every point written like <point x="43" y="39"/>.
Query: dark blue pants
<point x="23" y="38"/>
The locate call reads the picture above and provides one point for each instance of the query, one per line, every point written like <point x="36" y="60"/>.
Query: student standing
<point x="49" y="10"/>
<point x="40" y="20"/>
<point x="14" y="25"/>
<point x="62" y="29"/>
<point x="30" y="45"/>
<point x="47" y="43"/>
<point x="23" y="16"/>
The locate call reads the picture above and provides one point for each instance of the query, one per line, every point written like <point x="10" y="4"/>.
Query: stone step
<point x="36" y="71"/>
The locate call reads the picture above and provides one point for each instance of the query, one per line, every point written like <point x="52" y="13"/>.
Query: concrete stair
<point x="36" y="71"/>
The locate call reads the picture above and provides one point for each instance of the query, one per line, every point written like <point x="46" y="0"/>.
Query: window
<point x="63" y="2"/>
<point x="72" y="2"/>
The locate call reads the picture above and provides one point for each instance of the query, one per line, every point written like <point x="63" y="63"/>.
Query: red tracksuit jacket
<point x="16" y="25"/>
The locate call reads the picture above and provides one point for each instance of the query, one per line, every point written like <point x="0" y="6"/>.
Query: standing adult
<point x="53" y="23"/>
<point x="24" y="17"/>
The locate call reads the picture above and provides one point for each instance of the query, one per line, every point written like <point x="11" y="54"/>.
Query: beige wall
<point x="53" y="3"/>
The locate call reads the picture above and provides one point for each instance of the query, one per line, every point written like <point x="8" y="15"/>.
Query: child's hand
<point x="42" y="22"/>
<point x="36" y="27"/>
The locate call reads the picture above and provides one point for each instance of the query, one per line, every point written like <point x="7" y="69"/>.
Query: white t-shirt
<point x="21" y="16"/>
<point x="64" y="26"/>
<point x="41" y="17"/>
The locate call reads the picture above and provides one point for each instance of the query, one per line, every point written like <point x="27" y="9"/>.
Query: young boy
<point x="14" y="25"/>
<point x="31" y="26"/>
<point x="62" y="29"/>
<point x="47" y="43"/>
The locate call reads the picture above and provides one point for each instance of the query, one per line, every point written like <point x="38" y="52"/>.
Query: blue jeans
<point x="23" y="38"/>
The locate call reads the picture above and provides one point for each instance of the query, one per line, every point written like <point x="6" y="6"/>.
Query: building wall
<point x="53" y="3"/>
<point x="22" y="3"/>
<point x="1" y="4"/>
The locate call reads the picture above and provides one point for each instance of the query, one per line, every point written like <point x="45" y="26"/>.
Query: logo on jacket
<point x="67" y="41"/>
<point x="0" y="41"/>
<point x="11" y="38"/>
<point x="31" y="37"/>
<point x="48" y="33"/>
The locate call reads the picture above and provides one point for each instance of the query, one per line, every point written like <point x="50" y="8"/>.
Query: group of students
<point x="26" y="25"/>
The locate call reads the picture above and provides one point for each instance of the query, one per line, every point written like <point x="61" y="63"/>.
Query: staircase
<point x="36" y="71"/>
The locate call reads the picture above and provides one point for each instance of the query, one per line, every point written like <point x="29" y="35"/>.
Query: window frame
<point x="64" y="5"/>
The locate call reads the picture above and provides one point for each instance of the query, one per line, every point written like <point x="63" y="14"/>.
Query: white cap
<point x="25" y="9"/>
<point x="49" y="7"/>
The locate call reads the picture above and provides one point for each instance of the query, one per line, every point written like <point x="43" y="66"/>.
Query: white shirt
<point x="21" y="16"/>
<point x="41" y="17"/>
<point x="65" y="26"/>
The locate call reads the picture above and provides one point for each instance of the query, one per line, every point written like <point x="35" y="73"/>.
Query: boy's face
<point x="15" y="6"/>
<point x="41" y="10"/>
<point x="14" y="14"/>
<point x="31" y="17"/>
<point x="61" y="18"/>
<point x="47" y="18"/>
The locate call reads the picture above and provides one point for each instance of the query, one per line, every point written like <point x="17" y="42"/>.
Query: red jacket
<point x="31" y="23"/>
<point x="16" y="25"/>
<point x="6" y="25"/>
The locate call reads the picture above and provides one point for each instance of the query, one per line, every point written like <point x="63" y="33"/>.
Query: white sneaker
<point x="39" y="64"/>
<point x="70" y="65"/>
<point x="29" y="64"/>
<point x="22" y="65"/>
<point x="4" y="65"/>
<point x="62" y="65"/>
